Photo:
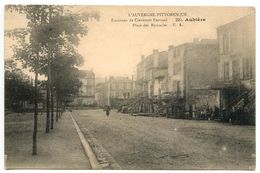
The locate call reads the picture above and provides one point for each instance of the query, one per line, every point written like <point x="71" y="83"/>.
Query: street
<point x="111" y="87"/>
<point x="161" y="143"/>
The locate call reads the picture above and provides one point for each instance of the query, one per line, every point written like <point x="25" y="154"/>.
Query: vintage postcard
<point x="129" y="87"/>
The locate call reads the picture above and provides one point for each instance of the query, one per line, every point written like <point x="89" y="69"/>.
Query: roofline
<point x="235" y="21"/>
<point x="148" y="56"/>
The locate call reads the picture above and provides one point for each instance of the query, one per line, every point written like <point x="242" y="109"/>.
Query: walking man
<point x="107" y="110"/>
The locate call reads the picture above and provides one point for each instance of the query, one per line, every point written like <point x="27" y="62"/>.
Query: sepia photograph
<point x="108" y="87"/>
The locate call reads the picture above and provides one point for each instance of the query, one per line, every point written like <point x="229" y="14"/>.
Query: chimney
<point x="170" y="47"/>
<point x="155" y="51"/>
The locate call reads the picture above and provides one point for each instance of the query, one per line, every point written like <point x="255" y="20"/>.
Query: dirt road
<point x="161" y="143"/>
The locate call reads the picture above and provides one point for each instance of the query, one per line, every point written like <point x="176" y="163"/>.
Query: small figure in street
<point x="232" y="115"/>
<point x="215" y="113"/>
<point x="107" y="110"/>
<point x="202" y="114"/>
<point x="209" y="113"/>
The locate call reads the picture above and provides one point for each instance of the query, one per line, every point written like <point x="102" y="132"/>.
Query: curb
<point x="92" y="157"/>
<point x="104" y="158"/>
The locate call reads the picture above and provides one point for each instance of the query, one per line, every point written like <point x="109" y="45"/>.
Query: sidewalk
<point x="60" y="149"/>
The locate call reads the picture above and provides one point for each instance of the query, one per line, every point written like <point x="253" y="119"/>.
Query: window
<point x="176" y="68"/>
<point x="89" y="91"/>
<point x="226" y="71"/>
<point x="235" y="69"/>
<point x="164" y="86"/>
<point x="220" y="43"/>
<point x="244" y="39"/>
<point x="176" y="52"/>
<point x="113" y="86"/>
<point x="128" y="86"/>
<point x="178" y="87"/>
<point x="246" y="68"/>
<point x="121" y="86"/>
<point x="225" y="43"/>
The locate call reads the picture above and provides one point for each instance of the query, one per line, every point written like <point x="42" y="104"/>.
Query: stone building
<point x="152" y="74"/>
<point x="86" y="94"/>
<point x="236" y="65"/>
<point x="119" y="88"/>
<point x="100" y="94"/>
<point x="114" y="90"/>
<point x="192" y="69"/>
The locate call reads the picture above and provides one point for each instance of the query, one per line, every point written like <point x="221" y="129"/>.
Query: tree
<point x="18" y="87"/>
<point x="56" y="34"/>
<point x="49" y="30"/>
<point x="29" y="50"/>
<point x="62" y="33"/>
<point x="67" y="83"/>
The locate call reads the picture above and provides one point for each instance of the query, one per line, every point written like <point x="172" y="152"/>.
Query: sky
<point x="114" y="48"/>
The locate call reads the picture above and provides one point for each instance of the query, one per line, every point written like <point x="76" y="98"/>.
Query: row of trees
<point x="48" y="46"/>
<point x="18" y="88"/>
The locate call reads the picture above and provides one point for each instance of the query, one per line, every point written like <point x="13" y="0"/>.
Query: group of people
<point x="207" y="113"/>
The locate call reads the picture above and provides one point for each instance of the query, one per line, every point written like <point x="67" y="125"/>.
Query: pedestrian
<point x="202" y="114"/>
<point x="107" y="110"/>
<point x="216" y="113"/>
<point x="233" y="117"/>
<point x="209" y="113"/>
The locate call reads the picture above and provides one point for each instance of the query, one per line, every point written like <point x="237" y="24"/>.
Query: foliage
<point x="48" y="27"/>
<point x="51" y="32"/>
<point x="18" y="87"/>
<point x="65" y="76"/>
<point x="47" y="46"/>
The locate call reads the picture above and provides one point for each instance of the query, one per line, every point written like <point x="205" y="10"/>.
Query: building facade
<point x="152" y="74"/>
<point x="100" y="94"/>
<point x="192" y="69"/>
<point x="86" y="94"/>
<point x="118" y="89"/>
<point x="114" y="90"/>
<point x="236" y="65"/>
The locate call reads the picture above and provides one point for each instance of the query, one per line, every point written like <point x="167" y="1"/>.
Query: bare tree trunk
<point x="57" y="108"/>
<point x="48" y="97"/>
<point x="35" y="128"/>
<point x="49" y="79"/>
<point x="52" y="116"/>
<point x="60" y="108"/>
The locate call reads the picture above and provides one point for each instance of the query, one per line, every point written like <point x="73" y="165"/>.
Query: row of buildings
<point x="109" y="92"/>
<point x="114" y="90"/>
<point x="203" y="74"/>
<point x="184" y="72"/>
